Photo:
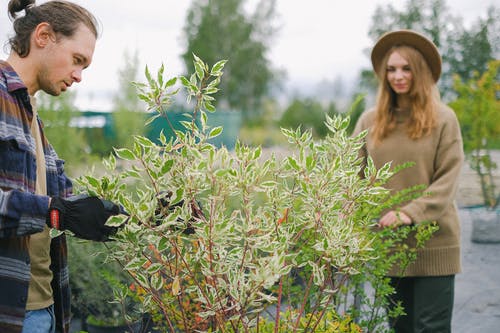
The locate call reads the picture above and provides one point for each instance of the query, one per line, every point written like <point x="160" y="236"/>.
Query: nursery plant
<point x="478" y="110"/>
<point x="233" y="241"/>
<point x="93" y="286"/>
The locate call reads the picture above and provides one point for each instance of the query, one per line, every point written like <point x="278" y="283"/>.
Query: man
<point x="52" y="44"/>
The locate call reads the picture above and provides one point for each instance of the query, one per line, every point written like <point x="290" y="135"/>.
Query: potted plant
<point x="478" y="110"/>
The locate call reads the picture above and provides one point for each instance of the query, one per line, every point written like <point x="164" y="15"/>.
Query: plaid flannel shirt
<point x="23" y="213"/>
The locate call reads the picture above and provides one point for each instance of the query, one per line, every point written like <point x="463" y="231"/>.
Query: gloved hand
<point x="83" y="215"/>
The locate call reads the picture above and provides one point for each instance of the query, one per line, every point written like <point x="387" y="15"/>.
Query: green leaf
<point x="186" y="124"/>
<point x="144" y="97"/>
<point x="209" y="107"/>
<point x="163" y="138"/>
<point x="257" y="153"/>
<point x="203" y="119"/>
<point x="159" y="77"/>
<point x="217" y="68"/>
<point x="269" y="184"/>
<point x="116" y="220"/>
<point x="221" y="172"/>
<point x="310" y="162"/>
<point x="125" y="154"/>
<point x="133" y="174"/>
<point x="147" y="73"/>
<point x="143" y="141"/>
<point x="93" y="182"/>
<point x="154" y="268"/>
<point x="141" y="279"/>
<point x="179" y="193"/>
<point x="157" y="282"/>
<point x="151" y="119"/>
<point x="110" y="162"/>
<point x="136" y="264"/>
<point x="198" y="65"/>
<point x="163" y="244"/>
<point x="215" y="132"/>
<point x="171" y="82"/>
<point x="211" y="90"/>
<point x="167" y="166"/>
<point x="293" y="163"/>
<point x="185" y="82"/>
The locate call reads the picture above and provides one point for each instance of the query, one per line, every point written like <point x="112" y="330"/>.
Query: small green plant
<point x="94" y="286"/>
<point x="230" y="241"/>
<point x="478" y="110"/>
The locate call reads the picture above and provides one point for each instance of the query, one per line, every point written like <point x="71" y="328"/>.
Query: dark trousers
<point x="427" y="302"/>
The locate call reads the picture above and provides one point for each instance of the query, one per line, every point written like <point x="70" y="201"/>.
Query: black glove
<point x="83" y="215"/>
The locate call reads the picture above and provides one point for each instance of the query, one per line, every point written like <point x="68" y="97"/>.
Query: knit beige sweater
<point x="438" y="159"/>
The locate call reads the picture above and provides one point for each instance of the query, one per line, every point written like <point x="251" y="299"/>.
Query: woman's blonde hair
<point x="424" y="97"/>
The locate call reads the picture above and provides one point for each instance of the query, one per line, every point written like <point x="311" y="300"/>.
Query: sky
<point x="318" y="40"/>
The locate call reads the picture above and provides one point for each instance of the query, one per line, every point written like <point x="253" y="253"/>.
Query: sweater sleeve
<point x="447" y="166"/>
<point x="22" y="213"/>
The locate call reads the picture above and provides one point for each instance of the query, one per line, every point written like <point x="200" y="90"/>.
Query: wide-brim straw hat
<point x="410" y="38"/>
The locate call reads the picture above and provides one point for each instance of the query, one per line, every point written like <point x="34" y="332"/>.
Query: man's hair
<point x="64" y="18"/>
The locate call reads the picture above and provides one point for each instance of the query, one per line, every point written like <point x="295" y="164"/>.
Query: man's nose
<point x="77" y="75"/>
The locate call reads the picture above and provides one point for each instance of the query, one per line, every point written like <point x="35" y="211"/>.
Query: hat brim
<point x="411" y="38"/>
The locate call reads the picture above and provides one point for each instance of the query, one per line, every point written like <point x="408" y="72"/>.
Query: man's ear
<point x="43" y="35"/>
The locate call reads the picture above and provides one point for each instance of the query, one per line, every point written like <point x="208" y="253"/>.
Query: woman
<point x="409" y="123"/>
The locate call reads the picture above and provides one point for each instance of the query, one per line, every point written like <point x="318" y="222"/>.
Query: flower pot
<point x="485" y="224"/>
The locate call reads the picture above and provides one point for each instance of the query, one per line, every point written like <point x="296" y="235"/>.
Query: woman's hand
<point x="394" y="219"/>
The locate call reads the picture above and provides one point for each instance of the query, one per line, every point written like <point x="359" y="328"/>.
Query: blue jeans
<point x="40" y="321"/>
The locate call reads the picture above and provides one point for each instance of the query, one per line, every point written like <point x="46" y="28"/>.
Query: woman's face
<point x="399" y="73"/>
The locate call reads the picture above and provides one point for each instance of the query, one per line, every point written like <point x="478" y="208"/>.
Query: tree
<point x="220" y="29"/>
<point x="473" y="49"/>
<point x="308" y="114"/>
<point x="463" y="51"/>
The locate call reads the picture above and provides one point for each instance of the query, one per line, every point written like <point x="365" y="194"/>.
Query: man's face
<point x="64" y="61"/>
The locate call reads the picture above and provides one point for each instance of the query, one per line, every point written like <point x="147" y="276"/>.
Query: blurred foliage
<point x="221" y="29"/>
<point x="309" y="115"/>
<point x="128" y="109"/>
<point x="358" y="106"/>
<point x="69" y="141"/>
<point x="93" y="283"/>
<point x="263" y="130"/>
<point x="463" y="50"/>
<point x="478" y="110"/>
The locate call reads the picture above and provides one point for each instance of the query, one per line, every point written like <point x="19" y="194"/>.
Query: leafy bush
<point x="228" y="241"/>
<point x="57" y="114"/>
<point x="94" y="284"/>
<point x="478" y="110"/>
